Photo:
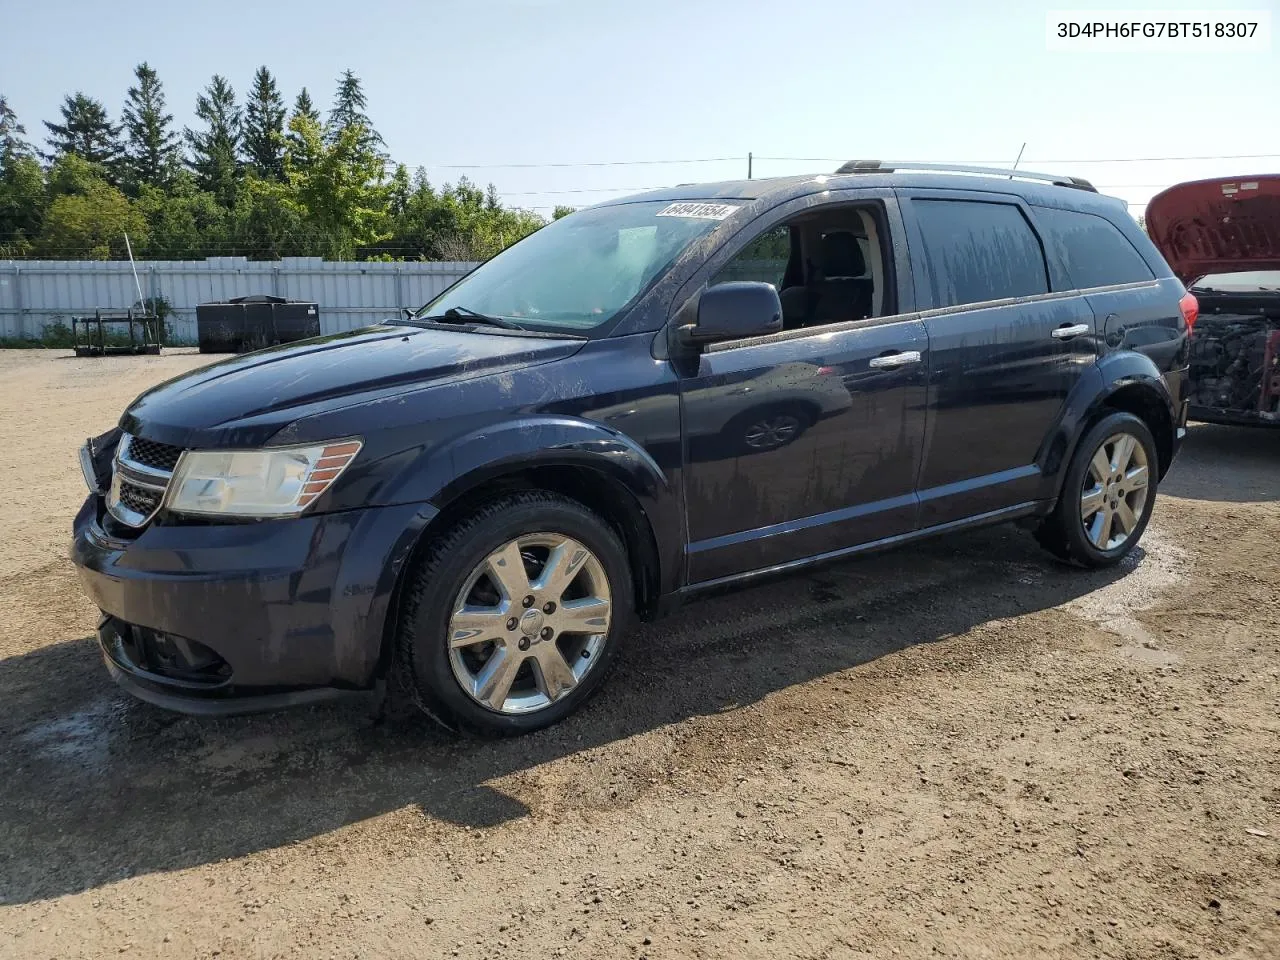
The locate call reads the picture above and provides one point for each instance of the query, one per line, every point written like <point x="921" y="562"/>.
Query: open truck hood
<point x="1218" y="226"/>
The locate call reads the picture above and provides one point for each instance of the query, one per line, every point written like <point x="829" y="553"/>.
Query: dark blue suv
<point x="652" y="397"/>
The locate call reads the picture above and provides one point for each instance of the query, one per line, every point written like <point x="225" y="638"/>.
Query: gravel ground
<point x="959" y="749"/>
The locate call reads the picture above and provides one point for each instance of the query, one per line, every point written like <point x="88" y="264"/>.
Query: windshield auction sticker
<point x="698" y="210"/>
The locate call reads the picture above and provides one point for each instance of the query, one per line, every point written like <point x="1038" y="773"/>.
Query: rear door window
<point x="979" y="251"/>
<point x="1092" y="250"/>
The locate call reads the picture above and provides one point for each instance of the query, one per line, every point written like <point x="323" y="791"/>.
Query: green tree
<point x="562" y="211"/>
<point x="22" y="204"/>
<point x="349" y="112"/>
<point x="183" y="221"/>
<point x="87" y="132"/>
<point x="269" y="222"/>
<point x="215" y="151"/>
<point x="91" y="224"/>
<point x="152" y="148"/>
<point x="320" y="189"/>
<point x="12" y="144"/>
<point x="22" y="194"/>
<point x="400" y="190"/>
<point x="264" y="127"/>
<point x="302" y="108"/>
<point x="338" y="188"/>
<point x="70" y="174"/>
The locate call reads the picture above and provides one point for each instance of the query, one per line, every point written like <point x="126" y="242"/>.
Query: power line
<point x="632" y="163"/>
<point x="540" y="193"/>
<point x="575" y="163"/>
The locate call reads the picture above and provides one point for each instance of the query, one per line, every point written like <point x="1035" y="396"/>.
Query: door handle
<point x="891" y="360"/>
<point x="1069" y="331"/>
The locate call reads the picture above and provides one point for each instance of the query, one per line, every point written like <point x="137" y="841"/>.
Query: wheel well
<point x="592" y="488"/>
<point x="1145" y="403"/>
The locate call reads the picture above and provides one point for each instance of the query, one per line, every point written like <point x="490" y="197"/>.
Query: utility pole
<point x="748" y="166"/>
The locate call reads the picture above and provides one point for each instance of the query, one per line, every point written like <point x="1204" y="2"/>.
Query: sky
<point x="502" y="90"/>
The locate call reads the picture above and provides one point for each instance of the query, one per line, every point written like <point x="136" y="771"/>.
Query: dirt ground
<point x="960" y="749"/>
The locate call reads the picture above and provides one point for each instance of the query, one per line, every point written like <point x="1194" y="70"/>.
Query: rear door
<point x="1006" y="349"/>
<point x="1134" y="310"/>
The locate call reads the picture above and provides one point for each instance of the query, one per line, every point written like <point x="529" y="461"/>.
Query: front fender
<point x="441" y="475"/>
<point x="1093" y="391"/>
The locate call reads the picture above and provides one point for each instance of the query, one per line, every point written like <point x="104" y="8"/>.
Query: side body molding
<point x="1112" y="373"/>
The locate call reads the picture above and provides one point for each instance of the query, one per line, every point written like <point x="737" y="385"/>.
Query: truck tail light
<point x="1190" y="308"/>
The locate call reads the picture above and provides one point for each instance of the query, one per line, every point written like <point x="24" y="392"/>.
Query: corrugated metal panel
<point x="34" y="293"/>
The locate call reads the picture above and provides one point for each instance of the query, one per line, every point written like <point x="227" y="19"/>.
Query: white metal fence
<point x="34" y="293"/>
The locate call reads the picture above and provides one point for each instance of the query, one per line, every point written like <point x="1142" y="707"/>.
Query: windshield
<point x="582" y="270"/>
<point x="1241" y="282"/>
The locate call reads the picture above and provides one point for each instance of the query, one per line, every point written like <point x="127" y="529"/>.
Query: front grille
<point x="143" y="469"/>
<point x="149" y="453"/>
<point x="138" y="499"/>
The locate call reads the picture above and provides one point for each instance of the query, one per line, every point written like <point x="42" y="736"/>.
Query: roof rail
<point x="882" y="166"/>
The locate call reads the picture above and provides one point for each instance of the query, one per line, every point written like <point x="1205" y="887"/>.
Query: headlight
<point x="277" y="482"/>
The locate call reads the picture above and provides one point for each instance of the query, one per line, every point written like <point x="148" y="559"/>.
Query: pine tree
<point x="87" y="132"/>
<point x="215" y="151"/>
<point x="303" y="109"/>
<point x="12" y="144"/>
<point x="22" y="191"/>
<point x="349" y="105"/>
<point x="264" y="127"/>
<point x="152" y="148"/>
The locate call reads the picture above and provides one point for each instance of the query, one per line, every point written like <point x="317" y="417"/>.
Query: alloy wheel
<point x="1115" y="491"/>
<point x="529" y="622"/>
<point x="772" y="432"/>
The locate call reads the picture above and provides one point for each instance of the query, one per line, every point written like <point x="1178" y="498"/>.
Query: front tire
<point x="511" y="618"/>
<point x="1107" y="495"/>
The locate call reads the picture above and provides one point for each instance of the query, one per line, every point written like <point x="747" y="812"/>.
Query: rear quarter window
<point x="979" y="251"/>
<point x="1090" y="250"/>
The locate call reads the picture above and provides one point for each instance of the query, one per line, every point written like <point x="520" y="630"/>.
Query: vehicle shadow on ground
<point x="1212" y="453"/>
<point x="99" y="787"/>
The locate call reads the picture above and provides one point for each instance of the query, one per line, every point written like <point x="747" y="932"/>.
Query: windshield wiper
<point x="465" y="315"/>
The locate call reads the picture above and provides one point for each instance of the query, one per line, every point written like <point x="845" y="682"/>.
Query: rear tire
<point x="1107" y="494"/>
<point x="464" y="662"/>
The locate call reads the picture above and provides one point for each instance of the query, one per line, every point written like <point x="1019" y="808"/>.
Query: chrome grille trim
<point x="149" y="483"/>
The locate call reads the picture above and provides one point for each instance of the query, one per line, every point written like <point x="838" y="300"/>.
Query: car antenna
<point x="1017" y="161"/>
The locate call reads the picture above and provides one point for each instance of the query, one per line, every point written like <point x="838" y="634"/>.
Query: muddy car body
<point x="483" y="496"/>
<point x="1222" y="238"/>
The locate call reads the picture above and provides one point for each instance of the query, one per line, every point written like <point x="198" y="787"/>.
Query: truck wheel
<point x="511" y="619"/>
<point x="1107" y="495"/>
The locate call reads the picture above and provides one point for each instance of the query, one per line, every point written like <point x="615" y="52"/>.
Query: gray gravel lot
<point x="959" y="749"/>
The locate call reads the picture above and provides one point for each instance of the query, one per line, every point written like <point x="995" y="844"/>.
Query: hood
<point x="248" y="398"/>
<point x="1218" y="226"/>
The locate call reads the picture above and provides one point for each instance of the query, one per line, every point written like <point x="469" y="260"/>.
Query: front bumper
<point x="232" y="618"/>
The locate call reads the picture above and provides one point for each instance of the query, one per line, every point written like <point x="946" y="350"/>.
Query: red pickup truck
<point x="1222" y="239"/>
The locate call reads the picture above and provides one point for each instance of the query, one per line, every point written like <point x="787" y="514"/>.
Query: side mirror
<point x="731" y="311"/>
